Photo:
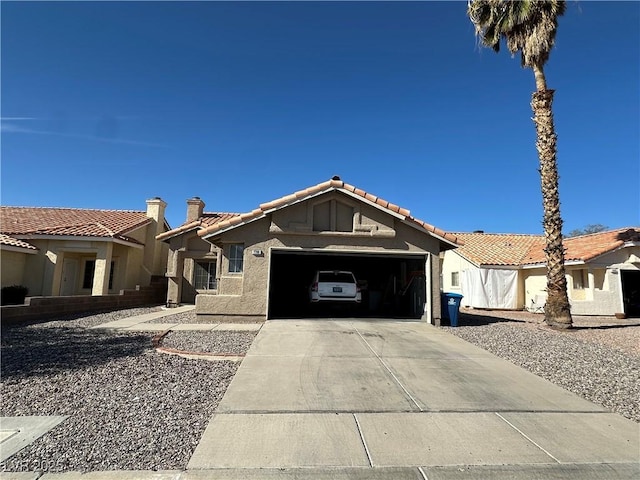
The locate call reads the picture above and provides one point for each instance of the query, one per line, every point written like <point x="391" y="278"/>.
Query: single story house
<point x="506" y="271"/>
<point x="259" y="265"/>
<point x="72" y="251"/>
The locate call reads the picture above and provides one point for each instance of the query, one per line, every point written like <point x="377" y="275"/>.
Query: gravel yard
<point x="184" y="317"/>
<point x="130" y="406"/>
<point x="217" y="342"/>
<point x="598" y="360"/>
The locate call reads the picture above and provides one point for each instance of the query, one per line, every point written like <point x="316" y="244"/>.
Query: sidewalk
<point x="140" y="323"/>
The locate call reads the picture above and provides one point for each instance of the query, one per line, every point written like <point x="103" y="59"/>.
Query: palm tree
<point x="529" y="27"/>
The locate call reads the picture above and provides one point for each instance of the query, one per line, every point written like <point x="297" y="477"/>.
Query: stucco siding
<point x="246" y="294"/>
<point x="602" y="292"/>
<point x="452" y="262"/>
<point x="12" y="267"/>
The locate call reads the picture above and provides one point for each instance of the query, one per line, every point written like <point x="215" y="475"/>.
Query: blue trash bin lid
<point x="453" y="295"/>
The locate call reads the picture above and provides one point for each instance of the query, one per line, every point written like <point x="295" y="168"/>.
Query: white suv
<point x="334" y="286"/>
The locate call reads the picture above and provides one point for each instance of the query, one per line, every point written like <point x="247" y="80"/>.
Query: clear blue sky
<point x="106" y="104"/>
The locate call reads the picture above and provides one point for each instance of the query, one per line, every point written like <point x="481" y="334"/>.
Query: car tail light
<point x="314" y="287"/>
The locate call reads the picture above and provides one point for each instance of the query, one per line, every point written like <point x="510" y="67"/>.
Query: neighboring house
<point x="508" y="271"/>
<point x="71" y="251"/>
<point x="486" y="270"/>
<point x="264" y="260"/>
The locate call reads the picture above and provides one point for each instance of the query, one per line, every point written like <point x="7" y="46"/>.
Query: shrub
<point x="13" y="295"/>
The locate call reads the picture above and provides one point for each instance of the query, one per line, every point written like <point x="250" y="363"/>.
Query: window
<point x="455" y="279"/>
<point x="89" y="272"/>
<point x="236" y="258"/>
<point x="204" y="276"/>
<point x="580" y="281"/>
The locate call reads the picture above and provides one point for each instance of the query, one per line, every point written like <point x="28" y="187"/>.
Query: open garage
<point x="392" y="284"/>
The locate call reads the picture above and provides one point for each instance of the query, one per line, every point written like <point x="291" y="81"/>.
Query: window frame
<point x="210" y="271"/>
<point x="582" y="277"/>
<point x="455" y="279"/>
<point x="236" y="258"/>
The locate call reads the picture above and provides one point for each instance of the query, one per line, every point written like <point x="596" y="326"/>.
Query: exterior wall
<point x="183" y="251"/>
<point x="453" y="262"/>
<point x="245" y="295"/>
<point x="603" y="293"/>
<point x="43" y="271"/>
<point x="12" y="267"/>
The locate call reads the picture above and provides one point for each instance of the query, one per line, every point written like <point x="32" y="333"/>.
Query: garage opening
<point x="391" y="285"/>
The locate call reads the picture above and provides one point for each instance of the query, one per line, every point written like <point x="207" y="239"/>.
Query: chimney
<point x="155" y="210"/>
<point x="195" y="207"/>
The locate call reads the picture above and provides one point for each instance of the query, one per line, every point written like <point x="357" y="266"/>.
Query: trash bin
<point x="450" y="303"/>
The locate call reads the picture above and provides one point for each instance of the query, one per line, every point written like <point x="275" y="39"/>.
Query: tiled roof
<point x="206" y="220"/>
<point x="515" y="250"/>
<point x="588" y="247"/>
<point x="497" y="248"/>
<point x="27" y="221"/>
<point x="334" y="184"/>
<point x="14" y="242"/>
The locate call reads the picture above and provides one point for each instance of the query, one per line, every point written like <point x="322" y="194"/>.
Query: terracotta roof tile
<point x="334" y="184"/>
<point x="587" y="247"/>
<point x="515" y="250"/>
<point x="17" y="221"/>
<point x="14" y="242"/>
<point x="208" y="219"/>
<point x="497" y="248"/>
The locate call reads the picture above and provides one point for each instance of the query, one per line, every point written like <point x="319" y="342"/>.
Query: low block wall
<point x="42" y="308"/>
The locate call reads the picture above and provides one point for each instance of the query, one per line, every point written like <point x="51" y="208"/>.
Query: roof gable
<point x="30" y="221"/>
<point x="335" y="184"/>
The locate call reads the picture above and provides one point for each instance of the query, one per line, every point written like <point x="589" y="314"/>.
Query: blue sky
<point x="107" y="104"/>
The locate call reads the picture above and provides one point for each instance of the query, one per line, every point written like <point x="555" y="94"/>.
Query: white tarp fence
<point x="489" y="288"/>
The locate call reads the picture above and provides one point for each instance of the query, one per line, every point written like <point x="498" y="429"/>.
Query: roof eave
<point x="18" y="249"/>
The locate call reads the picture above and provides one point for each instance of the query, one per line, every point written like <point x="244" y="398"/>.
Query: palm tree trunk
<point x="557" y="311"/>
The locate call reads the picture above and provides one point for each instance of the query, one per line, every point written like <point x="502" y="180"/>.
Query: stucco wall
<point x="452" y="262"/>
<point x="246" y="294"/>
<point x="12" y="267"/>
<point x="42" y="271"/>
<point x="602" y="296"/>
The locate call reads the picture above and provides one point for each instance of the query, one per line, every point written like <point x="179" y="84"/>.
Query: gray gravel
<point x="601" y="364"/>
<point x="130" y="406"/>
<point x="216" y="342"/>
<point x="185" y="317"/>
<point x="92" y="320"/>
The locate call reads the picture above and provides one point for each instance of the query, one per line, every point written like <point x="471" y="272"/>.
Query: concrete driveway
<point x="402" y="399"/>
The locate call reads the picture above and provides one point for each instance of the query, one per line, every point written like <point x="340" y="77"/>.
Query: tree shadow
<point x="466" y="319"/>
<point x="35" y="351"/>
<point x="471" y="320"/>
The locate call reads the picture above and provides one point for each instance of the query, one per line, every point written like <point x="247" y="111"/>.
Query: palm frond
<point x="527" y="26"/>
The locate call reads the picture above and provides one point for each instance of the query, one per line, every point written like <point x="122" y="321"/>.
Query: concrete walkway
<point x="140" y="323"/>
